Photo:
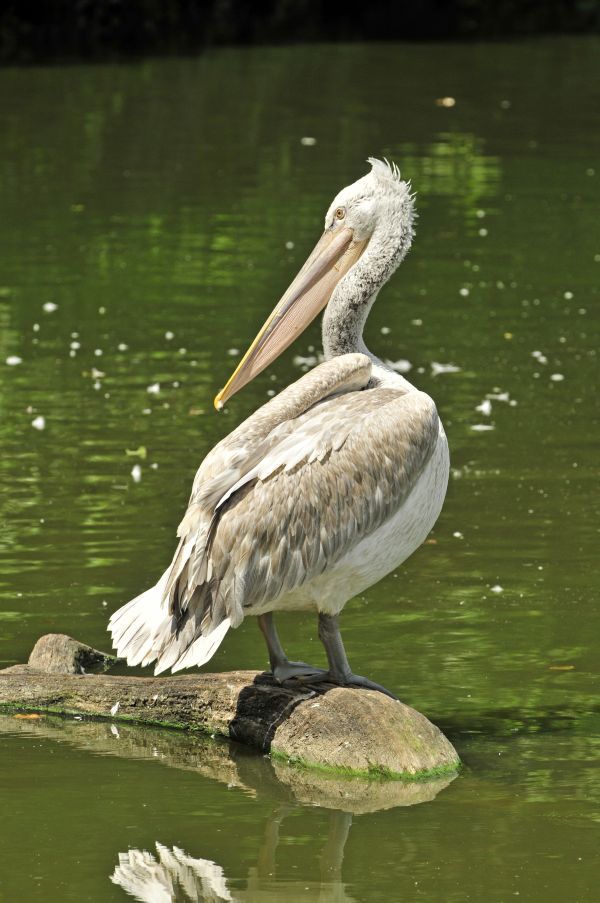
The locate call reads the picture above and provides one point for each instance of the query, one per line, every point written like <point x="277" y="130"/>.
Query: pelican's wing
<point x="345" y="468"/>
<point x="184" y="608"/>
<point x="330" y="477"/>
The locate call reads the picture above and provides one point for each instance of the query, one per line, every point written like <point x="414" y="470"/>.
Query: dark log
<point x="350" y="731"/>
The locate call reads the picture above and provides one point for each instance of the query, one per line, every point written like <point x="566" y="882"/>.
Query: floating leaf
<point x="140" y="452"/>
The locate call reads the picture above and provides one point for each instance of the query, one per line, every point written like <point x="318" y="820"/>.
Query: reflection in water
<point x="173" y="875"/>
<point x="231" y="764"/>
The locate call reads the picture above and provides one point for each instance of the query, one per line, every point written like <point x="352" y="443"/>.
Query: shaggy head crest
<point x="383" y="169"/>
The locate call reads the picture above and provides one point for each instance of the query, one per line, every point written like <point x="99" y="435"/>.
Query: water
<point x="154" y="204"/>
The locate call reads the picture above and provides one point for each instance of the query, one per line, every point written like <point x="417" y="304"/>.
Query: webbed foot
<point x="300" y="671"/>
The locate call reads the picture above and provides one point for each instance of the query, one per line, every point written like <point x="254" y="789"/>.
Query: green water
<point x="154" y="204"/>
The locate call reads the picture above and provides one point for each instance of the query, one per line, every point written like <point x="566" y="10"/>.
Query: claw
<point x="355" y="680"/>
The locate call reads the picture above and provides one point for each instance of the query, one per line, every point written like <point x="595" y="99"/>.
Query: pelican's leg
<point x="282" y="668"/>
<point x="340" y="671"/>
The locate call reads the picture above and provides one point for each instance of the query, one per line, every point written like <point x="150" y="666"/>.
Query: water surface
<point x="151" y="215"/>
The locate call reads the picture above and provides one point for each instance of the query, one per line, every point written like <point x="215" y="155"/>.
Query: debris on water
<point x="97" y="385"/>
<point x="233" y="352"/>
<point x="136" y="475"/>
<point x="102" y="311"/>
<point x="153" y="389"/>
<point x="182" y="350"/>
<point x="75" y="346"/>
<point x="140" y="452"/>
<point x="196" y="412"/>
<point x="483" y="232"/>
<point x="417" y="322"/>
<point x="309" y="361"/>
<point x="13" y="360"/>
<point x="169" y="336"/>
<point x="308" y="141"/>
<point x="97" y="374"/>
<point x="175" y="383"/>
<point x="482" y="427"/>
<point x="485" y="407"/>
<point x="497" y="588"/>
<point x="561" y="667"/>
<point x="400" y="366"/>
<point x="498" y="395"/>
<point x="556" y="377"/>
<point x="568" y="296"/>
<point x="122" y="346"/>
<point x="385" y="330"/>
<point x="49" y="307"/>
<point x="39" y="422"/>
<point x="270" y="392"/>
<point x="437" y="369"/>
<point x="36" y="327"/>
<point x="458" y="535"/>
<point x="115" y="708"/>
<point x="98" y="352"/>
<point x="154" y="465"/>
<point x="508" y="336"/>
<point x="540" y="358"/>
<point x="480" y="214"/>
<point x="464" y="291"/>
<point x="146" y="410"/>
<point x="289" y="245"/>
<point x="447" y="102"/>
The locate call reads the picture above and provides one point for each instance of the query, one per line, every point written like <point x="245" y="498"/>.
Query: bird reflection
<point x="172" y="876"/>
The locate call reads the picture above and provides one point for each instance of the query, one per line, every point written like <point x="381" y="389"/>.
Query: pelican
<point x="322" y="491"/>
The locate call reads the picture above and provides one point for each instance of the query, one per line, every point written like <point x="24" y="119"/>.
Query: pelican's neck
<point x="349" y="306"/>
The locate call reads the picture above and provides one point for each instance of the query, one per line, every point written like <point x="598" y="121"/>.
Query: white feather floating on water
<point x="437" y="369"/>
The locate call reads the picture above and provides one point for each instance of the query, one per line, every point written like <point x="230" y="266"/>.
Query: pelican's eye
<point x="340" y="213"/>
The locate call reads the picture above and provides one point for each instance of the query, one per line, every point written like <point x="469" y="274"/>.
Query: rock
<point x="57" y="653"/>
<point x="344" y="731"/>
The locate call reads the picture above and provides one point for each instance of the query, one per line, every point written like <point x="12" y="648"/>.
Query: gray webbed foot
<point x="300" y="671"/>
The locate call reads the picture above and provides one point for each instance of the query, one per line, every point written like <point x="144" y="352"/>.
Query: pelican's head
<point x="378" y="203"/>
<point x="378" y="210"/>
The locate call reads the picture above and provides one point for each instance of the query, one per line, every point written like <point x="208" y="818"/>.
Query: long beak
<point x="332" y="257"/>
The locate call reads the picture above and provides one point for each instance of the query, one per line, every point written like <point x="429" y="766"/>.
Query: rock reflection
<point x="231" y="764"/>
<point x="172" y="874"/>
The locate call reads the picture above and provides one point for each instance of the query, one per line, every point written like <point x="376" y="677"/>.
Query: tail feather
<point x="145" y="629"/>
<point x="200" y="651"/>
